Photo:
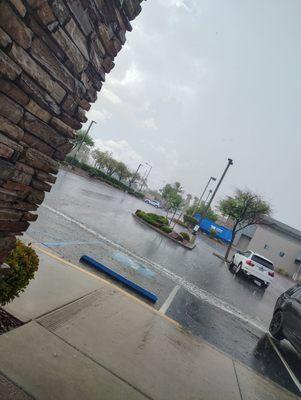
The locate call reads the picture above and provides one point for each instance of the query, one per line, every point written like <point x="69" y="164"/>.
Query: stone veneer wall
<point x="53" y="59"/>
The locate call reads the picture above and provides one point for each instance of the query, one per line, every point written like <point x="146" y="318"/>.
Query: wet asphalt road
<point x="82" y="216"/>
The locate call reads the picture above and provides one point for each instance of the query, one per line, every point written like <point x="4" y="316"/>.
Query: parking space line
<point x="168" y="301"/>
<point x="284" y="362"/>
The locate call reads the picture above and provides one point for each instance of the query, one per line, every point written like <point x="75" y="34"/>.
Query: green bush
<point x="283" y="272"/>
<point x="185" y="236"/>
<point x="23" y="262"/>
<point x="148" y="218"/>
<point x="212" y="233"/>
<point x="160" y="219"/>
<point x="97" y="173"/>
<point x="166" y="228"/>
<point x="191" y="221"/>
<point x="156" y="220"/>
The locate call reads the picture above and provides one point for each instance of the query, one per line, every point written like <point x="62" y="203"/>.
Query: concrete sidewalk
<point x="88" y="339"/>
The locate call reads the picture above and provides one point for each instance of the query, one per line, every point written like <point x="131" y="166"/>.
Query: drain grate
<point x="60" y="317"/>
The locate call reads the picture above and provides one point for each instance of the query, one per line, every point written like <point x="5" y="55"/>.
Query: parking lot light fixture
<point x="212" y="178"/>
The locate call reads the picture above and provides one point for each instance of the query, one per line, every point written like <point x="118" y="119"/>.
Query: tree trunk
<point x="229" y="247"/>
<point x="167" y="214"/>
<point x="174" y="214"/>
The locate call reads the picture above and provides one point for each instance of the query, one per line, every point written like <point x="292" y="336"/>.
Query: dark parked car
<point x="286" y="321"/>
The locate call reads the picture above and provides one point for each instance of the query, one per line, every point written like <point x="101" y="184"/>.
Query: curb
<point x="163" y="233"/>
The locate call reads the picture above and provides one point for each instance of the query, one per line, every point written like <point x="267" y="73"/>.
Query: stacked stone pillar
<point x="54" y="56"/>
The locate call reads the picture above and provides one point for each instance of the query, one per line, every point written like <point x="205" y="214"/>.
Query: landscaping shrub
<point x="212" y="233"/>
<point x="185" y="236"/>
<point x="282" y="271"/>
<point x="153" y="219"/>
<point x="23" y="262"/>
<point x="166" y="228"/>
<point x="191" y="221"/>
<point x="97" y="173"/>
<point x="160" y="219"/>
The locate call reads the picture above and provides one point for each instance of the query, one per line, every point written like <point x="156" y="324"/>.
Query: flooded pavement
<point x="81" y="216"/>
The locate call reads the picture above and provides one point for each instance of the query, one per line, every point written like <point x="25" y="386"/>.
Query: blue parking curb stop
<point x="136" y="288"/>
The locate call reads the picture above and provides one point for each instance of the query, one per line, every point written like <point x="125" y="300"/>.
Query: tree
<point x="82" y="137"/>
<point x="104" y="159"/>
<point x="201" y="209"/>
<point x="122" y="170"/>
<point x="111" y="165"/>
<point x="171" y="194"/>
<point x="175" y="202"/>
<point x="134" y="177"/>
<point x="244" y="208"/>
<point x="178" y="187"/>
<point x="195" y="200"/>
<point x="170" y="189"/>
<point x="188" y="199"/>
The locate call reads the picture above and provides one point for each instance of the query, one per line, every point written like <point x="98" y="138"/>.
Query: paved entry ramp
<point x="109" y="345"/>
<point x="151" y="352"/>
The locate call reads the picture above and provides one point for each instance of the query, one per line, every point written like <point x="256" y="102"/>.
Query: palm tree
<point x="84" y="138"/>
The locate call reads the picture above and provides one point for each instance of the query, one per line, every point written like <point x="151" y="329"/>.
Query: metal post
<point x="145" y="177"/>
<point x="230" y="162"/>
<point x="82" y="141"/>
<point x="204" y="191"/>
<point x="135" y="174"/>
<point x="210" y="191"/>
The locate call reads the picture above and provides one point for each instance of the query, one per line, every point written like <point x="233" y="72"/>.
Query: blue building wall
<point x="207" y="226"/>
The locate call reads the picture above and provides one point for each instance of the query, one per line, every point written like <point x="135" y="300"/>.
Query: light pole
<point x="135" y="174"/>
<point x="82" y="141"/>
<point x="212" y="178"/>
<point x="230" y="162"/>
<point x="208" y="195"/>
<point x="145" y="176"/>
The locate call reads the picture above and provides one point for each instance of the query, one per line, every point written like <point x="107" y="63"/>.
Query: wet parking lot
<point x="81" y="216"/>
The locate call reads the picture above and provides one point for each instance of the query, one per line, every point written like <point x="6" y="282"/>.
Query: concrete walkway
<point x="88" y="339"/>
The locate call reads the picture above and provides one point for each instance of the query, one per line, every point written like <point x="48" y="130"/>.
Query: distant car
<point x="286" y="321"/>
<point x="154" y="203"/>
<point x="255" y="266"/>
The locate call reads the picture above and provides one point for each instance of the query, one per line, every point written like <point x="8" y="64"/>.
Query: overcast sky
<point x="199" y="81"/>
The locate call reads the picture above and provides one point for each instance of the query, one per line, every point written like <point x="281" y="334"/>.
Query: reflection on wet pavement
<point x="130" y="263"/>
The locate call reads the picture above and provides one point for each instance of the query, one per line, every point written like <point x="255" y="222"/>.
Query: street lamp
<point x="212" y="178"/>
<point x="82" y="141"/>
<point x="230" y="162"/>
<point x="145" y="176"/>
<point x="135" y="174"/>
<point x="208" y="195"/>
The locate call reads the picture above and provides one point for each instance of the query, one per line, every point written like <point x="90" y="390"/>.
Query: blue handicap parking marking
<point x="129" y="263"/>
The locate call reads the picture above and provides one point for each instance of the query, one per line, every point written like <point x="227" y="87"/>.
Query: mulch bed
<point x="8" y="322"/>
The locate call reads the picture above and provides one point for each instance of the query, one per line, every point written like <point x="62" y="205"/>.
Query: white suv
<point x="257" y="267"/>
<point x="154" y="203"/>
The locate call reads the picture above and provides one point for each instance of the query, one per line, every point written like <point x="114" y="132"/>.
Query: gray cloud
<point x="199" y="81"/>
